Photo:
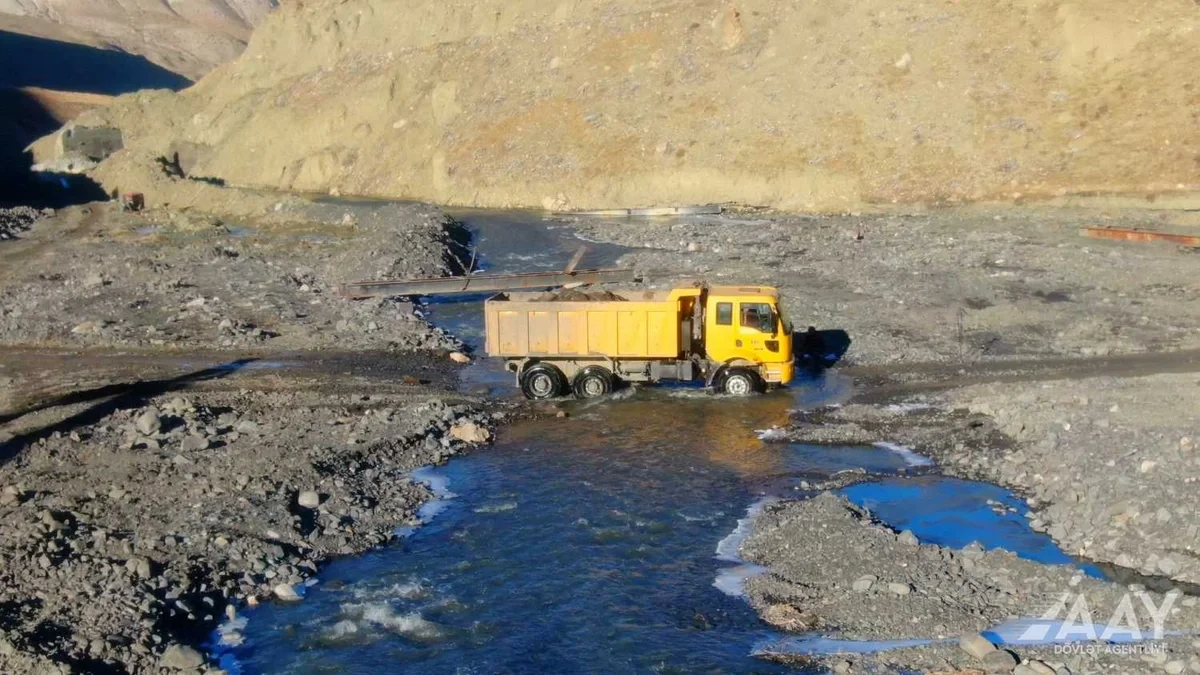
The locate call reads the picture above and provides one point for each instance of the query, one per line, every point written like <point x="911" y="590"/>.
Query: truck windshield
<point x="758" y="315"/>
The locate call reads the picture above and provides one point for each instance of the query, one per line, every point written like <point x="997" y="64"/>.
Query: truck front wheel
<point x="739" y="382"/>
<point x="593" y="382"/>
<point x="542" y="381"/>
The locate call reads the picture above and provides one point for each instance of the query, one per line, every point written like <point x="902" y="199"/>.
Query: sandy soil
<point x="603" y="104"/>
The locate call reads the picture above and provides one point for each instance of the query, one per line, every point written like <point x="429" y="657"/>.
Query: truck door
<point x="756" y="325"/>
<point x="719" y="330"/>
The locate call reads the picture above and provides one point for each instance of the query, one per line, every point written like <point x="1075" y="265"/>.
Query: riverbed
<point x="606" y="540"/>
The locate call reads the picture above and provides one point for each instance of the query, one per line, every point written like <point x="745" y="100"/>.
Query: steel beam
<point x="484" y="283"/>
<point x="1139" y="235"/>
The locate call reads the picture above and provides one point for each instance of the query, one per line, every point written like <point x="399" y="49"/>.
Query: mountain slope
<point x="189" y="37"/>
<point x="600" y="103"/>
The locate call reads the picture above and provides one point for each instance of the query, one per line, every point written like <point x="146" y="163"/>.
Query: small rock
<point x="459" y="357"/>
<point x="247" y="427"/>
<point x="309" y="499"/>
<point x="976" y="645"/>
<point x="693" y="247"/>
<point x="788" y="618"/>
<point x="1174" y="667"/>
<point x="1039" y="668"/>
<point x="999" y="661"/>
<point x="149" y="422"/>
<point x="973" y="550"/>
<point x="286" y="592"/>
<point x="182" y="657"/>
<point x="899" y="588"/>
<point x="193" y="442"/>
<point x="468" y="431"/>
<point x="864" y="583"/>
<point x="908" y="538"/>
<point x="1148" y="465"/>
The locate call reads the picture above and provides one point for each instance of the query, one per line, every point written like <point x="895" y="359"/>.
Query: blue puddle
<point x="954" y="513"/>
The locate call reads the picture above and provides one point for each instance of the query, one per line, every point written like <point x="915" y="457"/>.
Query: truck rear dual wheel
<point x="593" y="382"/>
<point x="739" y="382"/>
<point x="542" y="381"/>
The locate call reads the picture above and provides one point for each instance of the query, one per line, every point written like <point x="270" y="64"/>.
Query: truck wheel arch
<point x="715" y="373"/>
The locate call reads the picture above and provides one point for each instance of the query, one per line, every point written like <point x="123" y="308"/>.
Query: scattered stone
<point x="468" y="431"/>
<point x="1040" y="668"/>
<point x="899" y="588"/>
<point x="976" y="645"/>
<point x="182" y="657"/>
<point x="149" y="422"/>
<point x="459" y="357"/>
<point x="908" y="538"/>
<point x="309" y="499"/>
<point x="193" y="442"/>
<point x="864" y="583"/>
<point x="286" y="592"/>
<point x="999" y="661"/>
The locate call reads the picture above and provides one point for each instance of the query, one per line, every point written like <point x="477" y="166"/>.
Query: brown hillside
<point x="798" y="105"/>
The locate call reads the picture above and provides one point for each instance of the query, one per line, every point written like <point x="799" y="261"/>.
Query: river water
<point x="601" y="542"/>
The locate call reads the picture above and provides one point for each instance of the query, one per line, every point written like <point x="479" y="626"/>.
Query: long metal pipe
<point x="1139" y="235"/>
<point x="484" y="283"/>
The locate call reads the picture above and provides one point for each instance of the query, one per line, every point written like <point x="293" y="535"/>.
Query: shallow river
<point x="602" y="542"/>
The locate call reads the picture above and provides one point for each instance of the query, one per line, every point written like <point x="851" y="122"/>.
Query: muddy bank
<point x="834" y="569"/>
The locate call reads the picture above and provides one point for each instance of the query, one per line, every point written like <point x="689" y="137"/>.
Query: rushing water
<point x="581" y="543"/>
<point x="603" y="542"/>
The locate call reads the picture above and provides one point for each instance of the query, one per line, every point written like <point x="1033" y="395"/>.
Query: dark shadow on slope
<point x="108" y="399"/>
<point x="50" y="64"/>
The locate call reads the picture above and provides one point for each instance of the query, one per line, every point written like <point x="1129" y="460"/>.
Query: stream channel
<point x="605" y="541"/>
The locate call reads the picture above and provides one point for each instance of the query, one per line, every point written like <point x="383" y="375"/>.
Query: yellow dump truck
<point x="733" y="337"/>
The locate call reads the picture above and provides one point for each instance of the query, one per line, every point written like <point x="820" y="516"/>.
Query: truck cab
<point x="745" y="332"/>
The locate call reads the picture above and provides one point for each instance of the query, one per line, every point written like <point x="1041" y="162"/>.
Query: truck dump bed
<point x="642" y="325"/>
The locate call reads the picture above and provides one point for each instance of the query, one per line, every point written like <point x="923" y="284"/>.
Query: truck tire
<point x="739" y="382"/>
<point x="542" y="381"/>
<point x="593" y="382"/>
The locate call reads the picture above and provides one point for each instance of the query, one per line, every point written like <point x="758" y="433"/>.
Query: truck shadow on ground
<point x="108" y="399"/>
<point x="816" y="350"/>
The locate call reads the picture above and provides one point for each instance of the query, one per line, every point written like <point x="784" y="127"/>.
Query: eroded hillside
<point x="590" y="103"/>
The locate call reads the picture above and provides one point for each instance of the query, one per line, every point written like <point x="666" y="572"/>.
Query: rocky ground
<point x="1005" y="346"/>
<point x="965" y="285"/>
<point x="834" y="569"/>
<point x="170" y="278"/>
<point x="18" y="219"/>
<point x="156" y="471"/>
<point x="135" y="525"/>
